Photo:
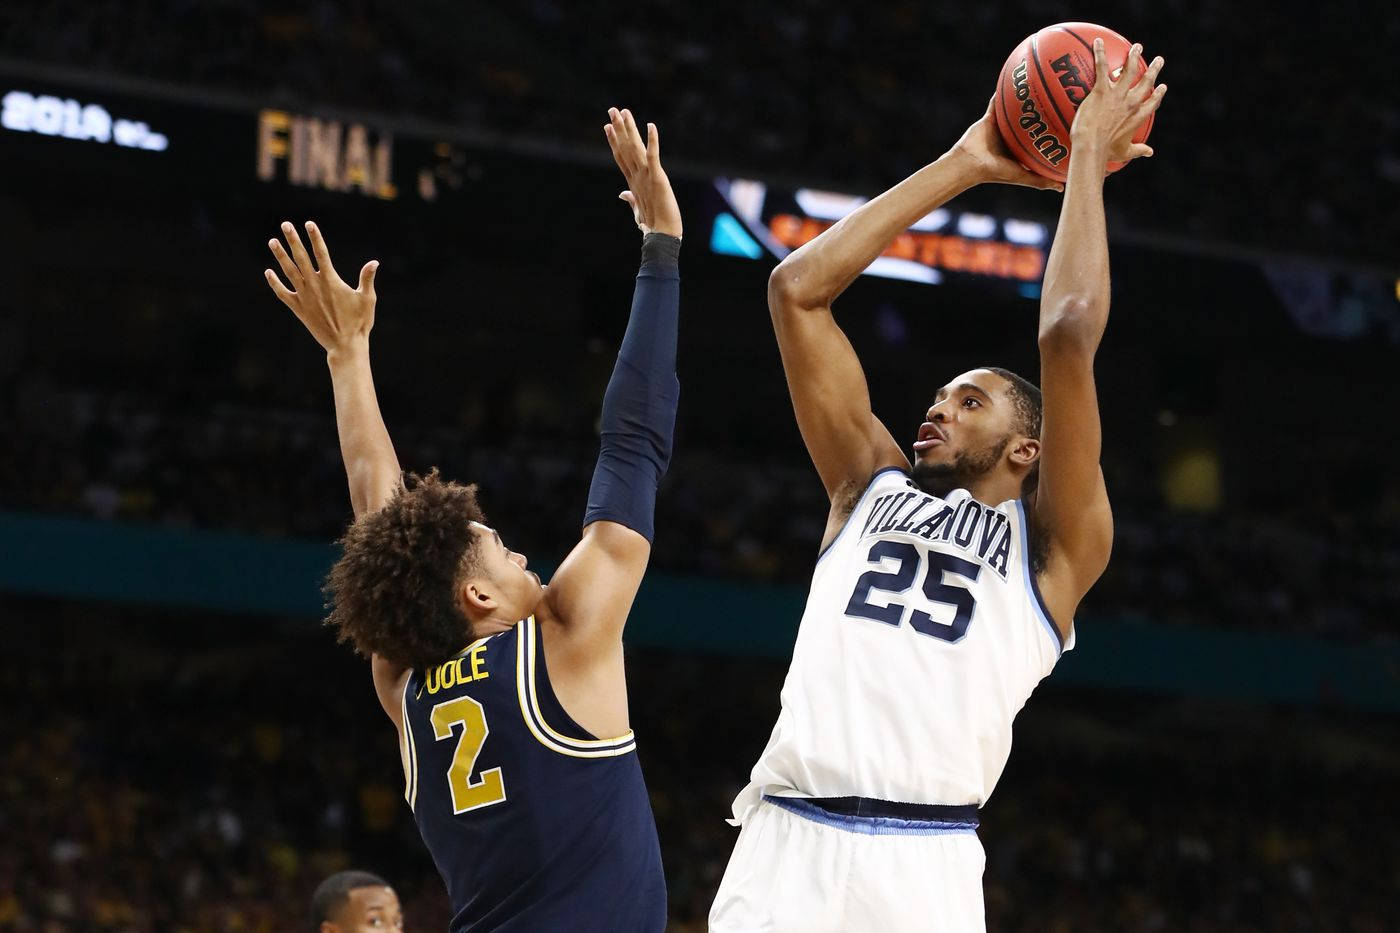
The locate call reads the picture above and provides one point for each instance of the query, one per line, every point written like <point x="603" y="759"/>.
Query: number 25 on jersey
<point x="908" y="558"/>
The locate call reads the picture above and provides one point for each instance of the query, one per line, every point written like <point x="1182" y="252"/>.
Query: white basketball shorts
<point x="799" y="868"/>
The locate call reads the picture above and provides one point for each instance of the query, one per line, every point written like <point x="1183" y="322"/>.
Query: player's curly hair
<point x="393" y="590"/>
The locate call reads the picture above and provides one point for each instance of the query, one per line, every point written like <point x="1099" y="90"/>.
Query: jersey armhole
<point x="529" y="655"/>
<point x="1033" y="587"/>
<point x="856" y="508"/>
<point x="408" y="752"/>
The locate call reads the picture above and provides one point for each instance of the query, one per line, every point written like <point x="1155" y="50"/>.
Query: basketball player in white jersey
<point x="946" y="589"/>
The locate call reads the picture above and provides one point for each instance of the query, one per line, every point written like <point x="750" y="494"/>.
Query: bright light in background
<point x="746" y="197"/>
<point x="46" y="115"/>
<point x="977" y="226"/>
<point x="729" y="238"/>
<point x="826" y="205"/>
<point x="1024" y="232"/>
<point x="890" y="268"/>
<point x="762" y="220"/>
<point x="935" y="219"/>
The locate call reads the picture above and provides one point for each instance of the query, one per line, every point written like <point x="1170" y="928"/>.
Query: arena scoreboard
<point x="66" y="128"/>
<point x="759" y="219"/>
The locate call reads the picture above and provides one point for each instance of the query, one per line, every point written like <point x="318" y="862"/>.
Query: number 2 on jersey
<point x="471" y="716"/>
<point x="901" y="579"/>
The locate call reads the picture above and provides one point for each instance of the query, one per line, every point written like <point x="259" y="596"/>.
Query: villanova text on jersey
<point x="970" y="526"/>
<point x="533" y="823"/>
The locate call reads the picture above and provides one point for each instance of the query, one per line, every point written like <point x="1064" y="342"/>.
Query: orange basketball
<point x="1041" y="87"/>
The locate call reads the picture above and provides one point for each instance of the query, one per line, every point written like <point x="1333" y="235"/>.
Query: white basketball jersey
<point x="923" y="636"/>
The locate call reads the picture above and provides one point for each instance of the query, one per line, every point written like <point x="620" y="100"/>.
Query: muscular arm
<point x="829" y="392"/>
<point x="1071" y="504"/>
<point x="1071" y="509"/>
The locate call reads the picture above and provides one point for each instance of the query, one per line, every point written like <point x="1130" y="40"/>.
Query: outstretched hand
<point x="648" y="193"/>
<point x="983" y="144"/>
<point x="1117" y="107"/>
<point x="336" y="314"/>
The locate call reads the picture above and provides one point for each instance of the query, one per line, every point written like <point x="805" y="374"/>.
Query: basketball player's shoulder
<point x="850" y="493"/>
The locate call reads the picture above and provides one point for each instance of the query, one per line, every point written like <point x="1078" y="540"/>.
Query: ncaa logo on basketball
<point x="1070" y="79"/>
<point x="1047" y="143"/>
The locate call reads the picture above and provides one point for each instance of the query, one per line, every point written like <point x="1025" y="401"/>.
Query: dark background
<point x="188" y="766"/>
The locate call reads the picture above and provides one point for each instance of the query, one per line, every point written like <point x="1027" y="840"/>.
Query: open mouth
<point x="930" y="435"/>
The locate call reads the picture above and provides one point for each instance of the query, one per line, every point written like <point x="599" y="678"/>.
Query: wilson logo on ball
<point x="1041" y="86"/>
<point x="1045" y="142"/>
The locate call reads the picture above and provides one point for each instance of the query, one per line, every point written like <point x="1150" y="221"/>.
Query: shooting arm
<point x="829" y="392"/>
<point x="1071" y="510"/>
<point x="1071" y="507"/>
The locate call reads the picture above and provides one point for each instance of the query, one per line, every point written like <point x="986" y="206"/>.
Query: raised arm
<point x="340" y="318"/>
<point x="1071" y="503"/>
<point x="592" y="592"/>
<point x="830" y="397"/>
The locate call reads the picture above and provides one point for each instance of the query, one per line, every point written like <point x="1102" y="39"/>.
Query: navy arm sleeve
<point x="639" y="407"/>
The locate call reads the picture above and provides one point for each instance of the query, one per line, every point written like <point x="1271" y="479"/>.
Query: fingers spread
<point x="1129" y="75"/>
<point x="1149" y="106"/>
<point x="318" y="246"/>
<point x="281" y="291"/>
<point x="653" y="145"/>
<point x="297" y="249"/>
<point x="1153" y="70"/>
<point x="1101" y="70"/>
<point x="289" y="268"/>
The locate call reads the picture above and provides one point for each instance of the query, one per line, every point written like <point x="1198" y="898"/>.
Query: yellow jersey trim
<point x="409" y="753"/>
<point x="529" y="708"/>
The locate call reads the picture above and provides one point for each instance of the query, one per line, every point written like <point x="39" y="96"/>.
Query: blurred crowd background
<point x="190" y="767"/>
<point x="1270" y="145"/>
<point x="204" y="772"/>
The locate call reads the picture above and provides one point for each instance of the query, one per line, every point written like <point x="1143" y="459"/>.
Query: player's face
<point x="966" y="429"/>
<point x="515" y="588"/>
<point x="368" y="910"/>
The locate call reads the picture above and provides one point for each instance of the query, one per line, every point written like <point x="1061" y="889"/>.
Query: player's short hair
<point x="332" y="893"/>
<point x="1025" y="395"/>
<point x="393" y="592"/>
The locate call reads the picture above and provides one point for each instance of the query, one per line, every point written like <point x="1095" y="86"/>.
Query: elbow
<point x="787" y="289"/>
<point x="1072" y="326"/>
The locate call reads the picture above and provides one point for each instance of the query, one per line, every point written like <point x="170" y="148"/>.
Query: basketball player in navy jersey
<point x="946" y="588"/>
<point x="508" y="696"/>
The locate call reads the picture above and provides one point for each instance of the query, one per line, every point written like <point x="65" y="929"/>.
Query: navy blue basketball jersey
<point x="534" y="824"/>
